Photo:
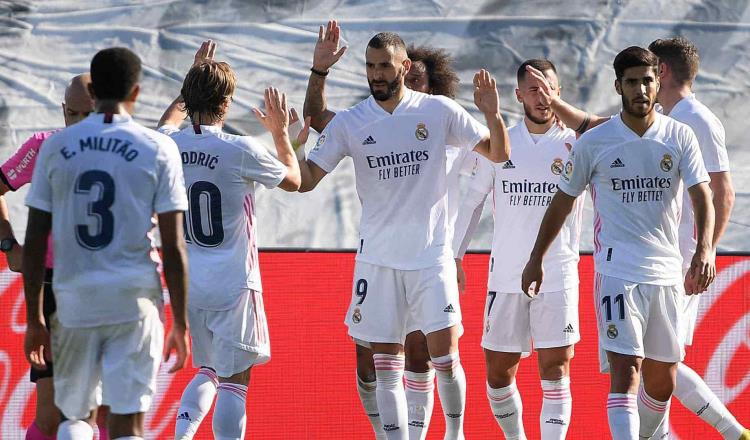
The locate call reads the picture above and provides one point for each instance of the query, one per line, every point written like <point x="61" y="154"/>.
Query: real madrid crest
<point x="612" y="331"/>
<point x="421" y="132"/>
<point x="356" y="316"/>
<point x="557" y="166"/>
<point x="666" y="163"/>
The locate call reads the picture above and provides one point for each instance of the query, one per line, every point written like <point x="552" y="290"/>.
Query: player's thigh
<point x="506" y="323"/>
<point x="432" y="297"/>
<point x="664" y="336"/>
<point x="240" y="335"/>
<point x="621" y="315"/>
<point x="365" y="362"/>
<point x="130" y="362"/>
<point x="554" y="319"/>
<point x="78" y="369"/>
<point x="377" y="311"/>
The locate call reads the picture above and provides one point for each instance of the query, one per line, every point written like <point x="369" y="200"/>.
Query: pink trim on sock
<point x="559" y="394"/>
<point x="651" y="403"/>
<point x="388" y="362"/>
<point x="418" y="385"/>
<point x="629" y="401"/>
<point x="446" y="365"/>
<point x="237" y="390"/>
<point x="211" y="374"/>
<point x="502" y="398"/>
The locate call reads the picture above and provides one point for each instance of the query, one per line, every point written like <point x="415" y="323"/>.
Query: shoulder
<point x="700" y="118"/>
<point x="603" y="133"/>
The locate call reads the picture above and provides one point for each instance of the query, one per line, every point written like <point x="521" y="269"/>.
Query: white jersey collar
<point x="110" y="118"/>
<point x="402" y="104"/>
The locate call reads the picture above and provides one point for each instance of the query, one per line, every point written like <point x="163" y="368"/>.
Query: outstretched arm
<point x="573" y="117"/>
<point x="496" y="148"/>
<point x="554" y="218"/>
<point x="275" y="119"/>
<point x="175" y="113"/>
<point x="327" y="53"/>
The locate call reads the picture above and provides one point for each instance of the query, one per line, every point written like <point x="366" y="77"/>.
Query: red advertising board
<point x="307" y="391"/>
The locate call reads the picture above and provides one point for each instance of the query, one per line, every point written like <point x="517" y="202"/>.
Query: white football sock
<point x="229" y="414"/>
<point x="556" y="409"/>
<point x="196" y="402"/>
<point x="651" y="413"/>
<point x="420" y="398"/>
<point x="389" y="371"/>
<point x="693" y="392"/>
<point x="75" y="430"/>
<point x="622" y="412"/>
<point x="368" y="397"/>
<point x="508" y="410"/>
<point x="451" y="382"/>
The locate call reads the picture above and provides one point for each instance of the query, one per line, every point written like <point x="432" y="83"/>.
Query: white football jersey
<point x="220" y="226"/>
<point x="456" y="165"/>
<point x="711" y="140"/>
<point x="400" y="167"/>
<point x="636" y="186"/>
<point x="102" y="180"/>
<point x="522" y="190"/>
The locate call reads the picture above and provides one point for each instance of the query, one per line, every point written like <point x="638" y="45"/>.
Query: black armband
<point x="584" y="125"/>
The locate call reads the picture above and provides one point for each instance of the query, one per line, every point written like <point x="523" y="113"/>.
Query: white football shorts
<point x="233" y="340"/>
<point x="388" y="303"/>
<point x="513" y="321"/>
<point x="124" y="357"/>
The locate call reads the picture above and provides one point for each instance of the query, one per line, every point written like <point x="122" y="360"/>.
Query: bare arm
<point x="275" y="119"/>
<point x="703" y="266"/>
<point x="174" y="256"/>
<point x="554" y="218"/>
<point x="723" y="201"/>
<point x="327" y="53"/>
<point x="573" y="117"/>
<point x="496" y="148"/>
<point x="15" y="255"/>
<point x="36" y="344"/>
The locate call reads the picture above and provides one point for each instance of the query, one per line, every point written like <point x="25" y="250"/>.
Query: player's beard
<point x="391" y="90"/>
<point x="529" y="114"/>
<point x="630" y="109"/>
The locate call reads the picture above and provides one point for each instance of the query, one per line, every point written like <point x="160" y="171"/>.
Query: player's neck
<point x="391" y="103"/>
<point x="638" y="124"/>
<point x="535" y="128"/>
<point x="670" y="96"/>
<point x="113" y="107"/>
<point x="204" y="119"/>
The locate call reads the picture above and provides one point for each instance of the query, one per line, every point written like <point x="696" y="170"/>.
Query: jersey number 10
<point x="203" y="221"/>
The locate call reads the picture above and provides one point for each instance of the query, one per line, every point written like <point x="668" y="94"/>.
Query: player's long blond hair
<point x="208" y="86"/>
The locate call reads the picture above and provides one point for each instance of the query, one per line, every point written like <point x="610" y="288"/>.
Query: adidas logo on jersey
<point x="617" y="164"/>
<point x="369" y="141"/>
<point x="569" y="329"/>
<point x="449" y="309"/>
<point x="508" y="165"/>
<point x="184" y="416"/>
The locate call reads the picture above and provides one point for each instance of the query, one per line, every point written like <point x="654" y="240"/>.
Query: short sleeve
<point x="332" y="145"/>
<point x="578" y="169"/>
<point x="17" y="170"/>
<point x="170" y="187"/>
<point x="40" y="193"/>
<point x="692" y="169"/>
<point x="463" y="130"/>
<point x="712" y="144"/>
<point x="260" y="166"/>
<point x="482" y="175"/>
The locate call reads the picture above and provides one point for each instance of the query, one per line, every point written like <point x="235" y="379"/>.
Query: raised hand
<point x="275" y="118"/>
<point x="327" y="50"/>
<point x="485" y="93"/>
<point x="205" y="52"/>
<point x="304" y="133"/>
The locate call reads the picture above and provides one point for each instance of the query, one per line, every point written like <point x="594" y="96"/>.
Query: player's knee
<point x="500" y="378"/>
<point x="624" y="373"/>
<point x="554" y="364"/>
<point x="417" y="355"/>
<point x="365" y="364"/>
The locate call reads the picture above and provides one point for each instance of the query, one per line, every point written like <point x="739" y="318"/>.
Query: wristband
<point x="319" y="72"/>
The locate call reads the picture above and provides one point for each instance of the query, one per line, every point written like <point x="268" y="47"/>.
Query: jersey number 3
<point x="204" y="200"/>
<point x="99" y="209"/>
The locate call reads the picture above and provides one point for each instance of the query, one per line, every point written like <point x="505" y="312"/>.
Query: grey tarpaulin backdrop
<point x="44" y="43"/>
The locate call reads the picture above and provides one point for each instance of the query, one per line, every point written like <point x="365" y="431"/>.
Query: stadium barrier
<point x="307" y="390"/>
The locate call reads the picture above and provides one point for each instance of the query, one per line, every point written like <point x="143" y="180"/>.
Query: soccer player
<point x="678" y="65"/>
<point x="636" y="164"/>
<point x="430" y="72"/>
<point x="15" y="173"/>
<point x="226" y="316"/>
<point x="96" y="186"/>
<point x="522" y="189"/>
<point x="397" y="139"/>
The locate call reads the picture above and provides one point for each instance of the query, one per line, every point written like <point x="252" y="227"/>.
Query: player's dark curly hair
<point x="442" y="78"/>
<point x="207" y="87"/>
<point x="114" y="73"/>
<point x="634" y="56"/>
<point x="680" y="55"/>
